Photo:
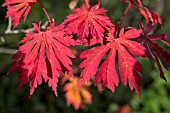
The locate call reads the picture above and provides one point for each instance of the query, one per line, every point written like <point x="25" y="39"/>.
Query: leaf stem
<point x="87" y="3"/>
<point x="45" y="11"/>
<point x="98" y="3"/>
<point x="124" y="14"/>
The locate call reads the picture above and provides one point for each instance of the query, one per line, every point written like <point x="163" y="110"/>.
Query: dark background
<point x="155" y="93"/>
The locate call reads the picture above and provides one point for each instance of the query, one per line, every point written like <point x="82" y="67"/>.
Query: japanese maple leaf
<point x="18" y="9"/>
<point x="148" y="15"/>
<point x="77" y="95"/>
<point x="154" y="51"/>
<point x="129" y="67"/>
<point x="43" y="56"/>
<point x="88" y="24"/>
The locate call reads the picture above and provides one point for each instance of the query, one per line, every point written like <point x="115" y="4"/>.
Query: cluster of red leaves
<point x="45" y="54"/>
<point x="114" y="41"/>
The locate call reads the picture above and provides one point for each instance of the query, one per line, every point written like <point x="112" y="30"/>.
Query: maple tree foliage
<point x="88" y="24"/>
<point x="45" y="54"/>
<point x="128" y="66"/>
<point x="18" y="9"/>
<point x="46" y="58"/>
<point x="77" y="95"/>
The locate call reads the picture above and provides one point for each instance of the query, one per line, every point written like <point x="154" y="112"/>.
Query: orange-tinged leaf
<point x="77" y="95"/>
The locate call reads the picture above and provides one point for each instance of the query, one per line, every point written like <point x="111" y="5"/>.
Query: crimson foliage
<point x="45" y="54"/>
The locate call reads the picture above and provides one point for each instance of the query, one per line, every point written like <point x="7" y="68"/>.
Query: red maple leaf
<point x="18" y="9"/>
<point x="148" y="15"/>
<point x="129" y="67"/>
<point x="154" y="51"/>
<point x="88" y="24"/>
<point x="43" y="56"/>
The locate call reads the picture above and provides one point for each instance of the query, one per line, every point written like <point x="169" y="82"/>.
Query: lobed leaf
<point x="90" y="64"/>
<point x="18" y="9"/>
<point x="154" y="51"/>
<point x="88" y="24"/>
<point x="76" y="95"/>
<point x="43" y="56"/>
<point x="107" y="73"/>
<point x="129" y="67"/>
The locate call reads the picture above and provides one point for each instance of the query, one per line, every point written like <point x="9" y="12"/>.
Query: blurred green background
<point x="155" y="93"/>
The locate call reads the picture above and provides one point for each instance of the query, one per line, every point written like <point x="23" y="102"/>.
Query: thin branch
<point x="87" y="3"/>
<point x="45" y="11"/>
<point x="9" y="25"/>
<point x="8" y="51"/>
<point x="10" y="31"/>
<point x="124" y="14"/>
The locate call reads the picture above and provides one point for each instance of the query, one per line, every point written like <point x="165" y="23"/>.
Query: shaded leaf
<point x="154" y="51"/>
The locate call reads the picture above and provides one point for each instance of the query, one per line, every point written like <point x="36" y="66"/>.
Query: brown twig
<point x="17" y="31"/>
<point x="8" y="51"/>
<point x="10" y="31"/>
